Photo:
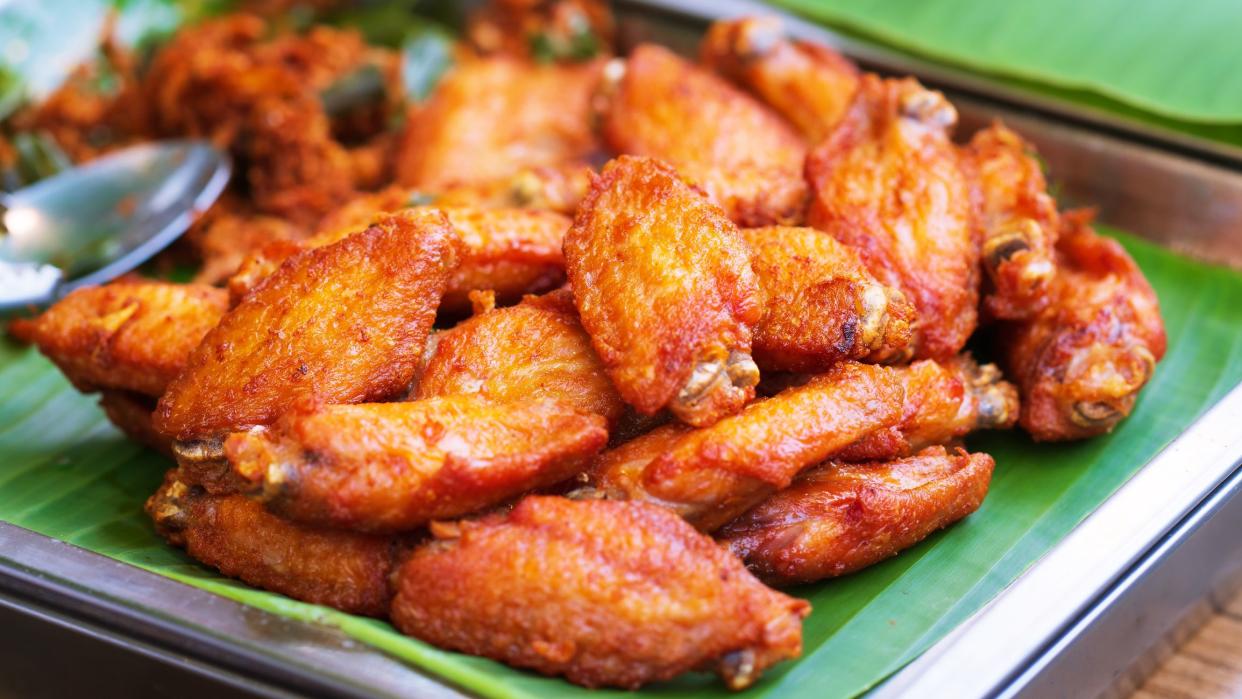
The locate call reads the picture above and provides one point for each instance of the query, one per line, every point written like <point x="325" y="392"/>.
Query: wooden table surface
<point x="1207" y="666"/>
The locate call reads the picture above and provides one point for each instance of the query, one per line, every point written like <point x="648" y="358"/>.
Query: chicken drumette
<point x="1081" y="362"/>
<point x="605" y="593"/>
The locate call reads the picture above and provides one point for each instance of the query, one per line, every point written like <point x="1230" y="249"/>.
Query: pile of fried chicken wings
<point x="610" y="347"/>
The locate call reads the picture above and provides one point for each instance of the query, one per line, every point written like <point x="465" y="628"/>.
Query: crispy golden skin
<point x="604" y="593"/>
<point x="491" y="118"/>
<point x="396" y="466"/>
<point x="840" y="518"/>
<point x="558" y="188"/>
<point x="890" y="183"/>
<point x="350" y="217"/>
<point x="822" y="305"/>
<point x="343" y="323"/>
<point x="664" y="287"/>
<point x="234" y="534"/>
<point x="535" y="350"/>
<point x="509" y="251"/>
<point x="131" y="413"/>
<point x="129" y="335"/>
<point x="747" y="159"/>
<point x="944" y="401"/>
<point x="809" y="84"/>
<point x="1081" y="362"/>
<point x="711" y="475"/>
<point x="1019" y="222"/>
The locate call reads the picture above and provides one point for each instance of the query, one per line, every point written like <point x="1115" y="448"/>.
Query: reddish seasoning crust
<point x="711" y="475"/>
<point x="388" y="467"/>
<point x="491" y="118"/>
<point x="535" y="350"/>
<point x="839" y="518"/>
<point x="604" y="593"/>
<point x="944" y="401"/>
<point x="821" y="305"/>
<point x="128" y="335"/>
<point x="890" y="183"/>
<point x="809" y="84"/>
<point x="1081" y="362"/>
<point x="747" y="159"/>
<point x="558" y="188"/>
<point x="663" y="285"/>
<point x="345" y="570"/>
<point x="510" y="251"/>
<point x="343" y="323"/>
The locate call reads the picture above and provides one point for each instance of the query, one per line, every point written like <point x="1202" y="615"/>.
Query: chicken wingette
<point x="235" y="535"/>
<point x="712" y="474"/>
<point x="841" y="517"/>
<point x="747" y="159"/>
<point x="390" y="467"/>
<point x="343" y="323"/>
<point x="535" y="350"/>
<point x="616" y="594"/>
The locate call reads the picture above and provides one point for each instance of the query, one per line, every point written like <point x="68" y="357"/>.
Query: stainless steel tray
<point x="1070" y="626"/>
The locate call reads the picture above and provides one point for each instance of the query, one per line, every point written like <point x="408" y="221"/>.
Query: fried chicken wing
<point x="489" y="119"/>
<point x="1019" y="221"/>
<point x="809" y="84"/>
<point x="1081" y="362"/>
<point x="840" y="518"/>
<point x="130" y="335"/>
<point x="131" y="413"/>
<point x="260" y="93"/>
<point x="395" y="466"/>
<point x="558" y="188"/>
<point x="535" y="350"/>
<point x="664" y="287"/>
<point x="712" y="474"/>
<point x="822" y="305"/>
<point x="747" y="159"/>
<point x="542" y="30"/>
<point x="890" y="183"/>
<point x="509" y="251"/>
<point x="234" y="534"/>
<point x="342" y="323"/>
<point x="604" y="593"/>
<point x="224" y="243"/>
<point x="944" y="401"/>
<point x="350" y="217"/>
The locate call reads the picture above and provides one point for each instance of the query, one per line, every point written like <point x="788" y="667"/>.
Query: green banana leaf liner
<point x="1166" y="64"/>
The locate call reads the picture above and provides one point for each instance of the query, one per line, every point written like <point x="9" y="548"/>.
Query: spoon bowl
<point x="93" y="223"/>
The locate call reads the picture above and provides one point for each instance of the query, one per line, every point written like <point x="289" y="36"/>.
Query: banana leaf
<point x="1169" y="58"/>
<point x="66" y="473"/>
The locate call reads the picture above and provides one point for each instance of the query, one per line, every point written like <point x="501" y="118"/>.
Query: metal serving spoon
<point x="94" y="223"/>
